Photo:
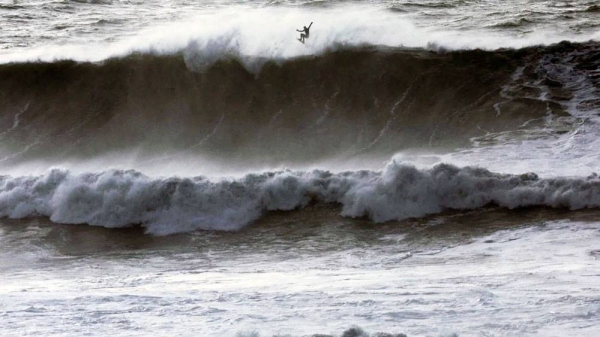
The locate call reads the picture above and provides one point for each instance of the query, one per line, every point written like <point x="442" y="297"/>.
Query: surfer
<point x="305" y="33"/>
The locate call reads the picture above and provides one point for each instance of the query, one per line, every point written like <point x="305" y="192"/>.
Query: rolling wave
<point x="164" y="206"/>
<point x="352" y="102"/>
<point x="347" y="103"/>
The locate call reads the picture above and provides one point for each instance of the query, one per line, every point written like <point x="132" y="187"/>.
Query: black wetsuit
<point x="305" y="33"/>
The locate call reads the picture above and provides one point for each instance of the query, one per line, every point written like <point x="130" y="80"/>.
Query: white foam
<point x="271" y="33"/>
<point x="169" y="205"/>
<point x="563" y="146"/>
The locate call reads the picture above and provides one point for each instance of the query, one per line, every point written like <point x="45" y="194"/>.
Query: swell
<point x="347" y="102"/>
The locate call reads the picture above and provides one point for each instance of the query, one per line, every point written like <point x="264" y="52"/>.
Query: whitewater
<point x="420" y="168"/>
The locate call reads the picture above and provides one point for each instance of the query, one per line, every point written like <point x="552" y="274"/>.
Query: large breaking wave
<point x="373" y="102"/>
<point x="270" y="32"/>
<point x="368" y="102"/>
<point x="172" y="205"/>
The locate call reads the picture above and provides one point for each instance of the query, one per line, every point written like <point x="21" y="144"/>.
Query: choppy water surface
<point x="427" y="168"/>
<point x="474" y="274"/>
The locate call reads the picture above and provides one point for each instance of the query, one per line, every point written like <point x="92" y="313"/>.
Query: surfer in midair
<point x="305" y="33"/>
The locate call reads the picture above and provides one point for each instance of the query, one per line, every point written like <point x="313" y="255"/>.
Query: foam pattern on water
<point x="169" y="205"/>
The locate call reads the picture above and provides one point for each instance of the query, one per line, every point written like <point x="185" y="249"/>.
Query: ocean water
<point x="418" y="168"/>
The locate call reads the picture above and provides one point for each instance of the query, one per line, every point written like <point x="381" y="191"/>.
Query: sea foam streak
<point x="171" y="205"/>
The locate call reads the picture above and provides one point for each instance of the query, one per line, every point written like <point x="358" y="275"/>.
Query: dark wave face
<point x="350" y="102"/>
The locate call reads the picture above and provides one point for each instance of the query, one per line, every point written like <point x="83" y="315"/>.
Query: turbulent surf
<point x="347" y="104"/>
<point x="427" y="168"/>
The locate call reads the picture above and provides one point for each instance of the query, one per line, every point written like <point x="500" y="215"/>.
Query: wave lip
<point x="231" y="29"/>
<point x="172" y="205"/>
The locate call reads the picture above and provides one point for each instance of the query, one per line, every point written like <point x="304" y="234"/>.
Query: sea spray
<point x="118" y="198"/>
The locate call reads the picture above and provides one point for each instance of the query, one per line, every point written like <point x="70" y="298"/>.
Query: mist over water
<point x="93" y="31"/>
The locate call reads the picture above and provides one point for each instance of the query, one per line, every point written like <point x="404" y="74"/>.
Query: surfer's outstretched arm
<point x="309" y="25"/>
<point x="299" y="30"/>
